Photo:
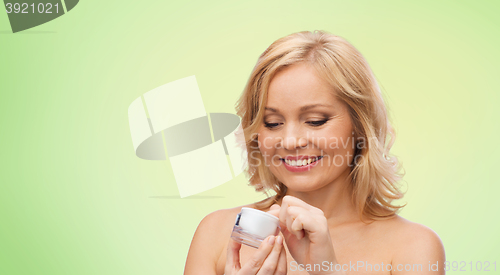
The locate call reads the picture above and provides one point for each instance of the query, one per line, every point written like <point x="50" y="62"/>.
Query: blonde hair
<point x="375" y="177"/>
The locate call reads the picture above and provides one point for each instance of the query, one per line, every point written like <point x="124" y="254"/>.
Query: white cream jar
<point x="252" y="226"/>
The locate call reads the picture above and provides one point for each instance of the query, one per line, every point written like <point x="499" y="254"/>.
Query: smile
<point x="300" y="165"/>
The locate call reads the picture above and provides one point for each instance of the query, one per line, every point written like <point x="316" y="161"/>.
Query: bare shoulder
<point x="413" y="243"/>
<point x="411" y="233"/>
<point x="210" y="239"/>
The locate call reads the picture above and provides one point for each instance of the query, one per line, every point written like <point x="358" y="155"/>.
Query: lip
<point x="302" y="168"/>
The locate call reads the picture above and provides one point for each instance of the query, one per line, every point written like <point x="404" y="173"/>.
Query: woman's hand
<point x="306" y="233"/>
<point x="269" y="259"/>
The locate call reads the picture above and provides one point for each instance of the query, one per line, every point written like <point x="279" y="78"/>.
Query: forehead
<point x="297" y="86"/>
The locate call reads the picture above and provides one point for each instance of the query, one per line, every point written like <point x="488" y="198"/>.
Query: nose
<point x="293" y="139"/>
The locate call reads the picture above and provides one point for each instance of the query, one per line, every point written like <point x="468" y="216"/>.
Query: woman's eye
<point x="271" y="125"/>
<point x="313" y="123"/>
<point x="317" y="123"/>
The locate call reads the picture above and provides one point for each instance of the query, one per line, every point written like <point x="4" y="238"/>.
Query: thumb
<point x="233" y="257"/>
<point x="274" y="210"/>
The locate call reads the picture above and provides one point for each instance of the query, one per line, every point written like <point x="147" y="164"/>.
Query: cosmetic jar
<point x="252" y="226"/>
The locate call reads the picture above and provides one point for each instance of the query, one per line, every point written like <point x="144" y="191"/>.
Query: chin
<point x="303" y="187"/>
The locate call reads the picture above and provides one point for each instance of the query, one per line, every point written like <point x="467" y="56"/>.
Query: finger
<point x="275" y="206"/>
<point x="286" y="233"/>
<point x="291" y="214"/>
<point x="253" y="265"/>
<point x="233" y="255"/>
<point x="288" y="213"/>
<point x="285" y="218"/>
<point x="307" y="221"/>
<point x="271" y="262"/>
<point x="283" y="212"/>
<point x="296" y="225"/>
<point x="294" y="201"/>
<point x="297" y="228"/>
<point x="282" y="268"/>
<point x="274" y="210"/>
<point x="296" y="231"/>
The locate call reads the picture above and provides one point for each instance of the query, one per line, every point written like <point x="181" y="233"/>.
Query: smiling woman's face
<point x="291" y="130"/>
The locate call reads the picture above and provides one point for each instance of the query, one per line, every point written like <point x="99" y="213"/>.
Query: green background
<point x="74" y="198"/>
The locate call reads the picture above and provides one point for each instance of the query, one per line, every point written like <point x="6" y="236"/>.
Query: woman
<point x="316" y="130"/>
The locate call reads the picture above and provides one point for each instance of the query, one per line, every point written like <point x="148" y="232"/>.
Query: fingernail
<point x="279" y="240"/>
<point x="271" y="240"/>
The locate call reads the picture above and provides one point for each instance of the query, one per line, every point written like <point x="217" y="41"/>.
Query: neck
<point x="334" y="199"/>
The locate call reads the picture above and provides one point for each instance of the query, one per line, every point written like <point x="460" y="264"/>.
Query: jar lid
<point x="257" y="222"/>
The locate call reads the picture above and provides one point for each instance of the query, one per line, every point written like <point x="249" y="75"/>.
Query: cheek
<point x="267" y="143"/>
<point x="334" y="140"/>
<point x="264" y="141"/>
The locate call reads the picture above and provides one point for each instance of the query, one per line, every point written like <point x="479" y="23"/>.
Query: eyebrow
<point x="302" y="109"/>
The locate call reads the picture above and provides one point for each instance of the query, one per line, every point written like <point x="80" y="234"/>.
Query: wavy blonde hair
<point x="375" y="178"/>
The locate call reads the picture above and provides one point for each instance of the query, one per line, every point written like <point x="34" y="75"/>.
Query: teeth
<point x="299" y="163"/>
